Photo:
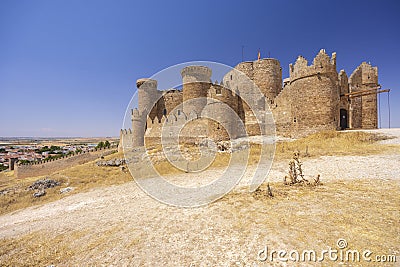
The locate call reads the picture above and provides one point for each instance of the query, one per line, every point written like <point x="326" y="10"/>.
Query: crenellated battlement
<point x="126" y="131"/>
<point x="196" y="74"/>
<point x="364" y="74"/>
<point x="309" y="100"/>
<point x="322" y="65"/>
<point x="137" y="115"/>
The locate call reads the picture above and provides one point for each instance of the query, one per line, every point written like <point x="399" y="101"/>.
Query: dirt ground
<point x="122" y="226"/>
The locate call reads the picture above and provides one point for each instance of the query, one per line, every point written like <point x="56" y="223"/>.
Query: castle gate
<point x="343" y="119"/>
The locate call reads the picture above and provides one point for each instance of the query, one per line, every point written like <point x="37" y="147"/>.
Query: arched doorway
<point x="343" y="119"/>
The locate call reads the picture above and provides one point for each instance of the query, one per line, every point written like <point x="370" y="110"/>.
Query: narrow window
<point x="231" y="77"/>
<point x="165" y="111"/>
<point x="179" y="112"/>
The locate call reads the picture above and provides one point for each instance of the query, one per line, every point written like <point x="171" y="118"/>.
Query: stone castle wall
<point x="196" y="83"/>
<point x="364" y="109"/>
<point x="315" y="93"/>
<point x="315" y="97"/>
<point x="282" y="112"/>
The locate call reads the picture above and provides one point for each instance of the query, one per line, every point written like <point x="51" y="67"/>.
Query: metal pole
<point x="389" y="107"/>
<point x="379" y="111"/>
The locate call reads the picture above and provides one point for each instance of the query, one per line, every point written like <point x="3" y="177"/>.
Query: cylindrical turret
<point x="139" y="128"/>
<point x="315" y="90"/>
<point x="247" y="68"/>
<point x="222" y="121"/>
<point x="148" y="94"/>
<point x="267" y="75"/>
<point x="196" y="82"/>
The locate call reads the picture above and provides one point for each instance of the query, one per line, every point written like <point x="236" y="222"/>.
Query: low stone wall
<point x="31" y="170"/>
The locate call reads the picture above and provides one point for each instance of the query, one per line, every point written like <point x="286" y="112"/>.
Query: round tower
<point x="139" y="128"/>
<point x="222" y="105"/>
<point x="315" y="95"/>
<point x="222" y="120"/>
<point x="247" y="68"/>
<point x="148" y="94"/>
<point x="196" y="82"/>
<point x="267" y="75"/>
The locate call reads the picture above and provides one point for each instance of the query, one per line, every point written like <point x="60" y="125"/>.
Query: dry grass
<point x="37" y="249"/>
<point x="334" y="143"/>
<point x="87" y="176"/>
<point x="82" y="178"/>
<point x="365" y="213"/>
<point x="42" y="248"/>
<point x="327" y="143"/>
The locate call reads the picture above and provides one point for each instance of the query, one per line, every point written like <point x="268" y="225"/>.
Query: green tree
<point x="2" y="167"/>
<point x="107" y="144"/>
<point x="100" y="145"/>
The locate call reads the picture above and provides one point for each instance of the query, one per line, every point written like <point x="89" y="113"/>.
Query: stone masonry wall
<point x="364" y="108"/>
<point x="32" y="170"/>
<point x="311" y="100"/>
<point x="282" y="112"/>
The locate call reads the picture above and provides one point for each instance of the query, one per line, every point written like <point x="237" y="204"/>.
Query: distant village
<point x="30" y="153"/>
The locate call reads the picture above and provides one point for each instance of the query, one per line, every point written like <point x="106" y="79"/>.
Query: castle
<point x="315" y="97"/>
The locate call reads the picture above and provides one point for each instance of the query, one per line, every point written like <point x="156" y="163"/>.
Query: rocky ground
<point x="122" y="226"/>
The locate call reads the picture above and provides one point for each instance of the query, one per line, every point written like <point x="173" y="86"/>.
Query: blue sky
<point x="68" y="68"/>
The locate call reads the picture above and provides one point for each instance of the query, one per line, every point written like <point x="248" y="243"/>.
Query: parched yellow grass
<point x="326" y="143"/>
<point x="364" y="213"/>
<point x="82" y="178"/>
<point x="87" y="176"/>
<point x="37" y="249"/>
<point x="336" y="143"/>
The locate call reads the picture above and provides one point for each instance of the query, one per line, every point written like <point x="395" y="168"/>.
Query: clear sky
<point x="68" y="68"/>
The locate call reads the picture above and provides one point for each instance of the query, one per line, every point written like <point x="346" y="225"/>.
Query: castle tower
<point x="267" y="75"/>
<point x="196" y="82"/>
<point x="139" y="128"/>
<point x="315" y="94"/>
<point x="250" y="99"/>
<point x="363" y="109"/>
<point x="148" y="95"/>
<point x="222" y="126"/>
<point x="222" y="105"/>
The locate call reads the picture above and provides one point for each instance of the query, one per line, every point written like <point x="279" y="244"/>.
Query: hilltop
<point x="107" y="219"/>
